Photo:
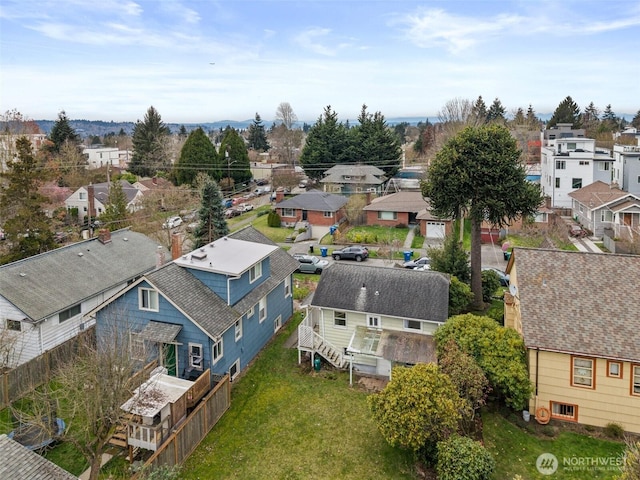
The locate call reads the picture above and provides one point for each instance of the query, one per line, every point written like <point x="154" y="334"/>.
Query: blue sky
<point x="112" y="59"/>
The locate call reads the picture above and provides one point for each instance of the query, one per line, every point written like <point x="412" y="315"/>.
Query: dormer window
<point x="255" y="272"/>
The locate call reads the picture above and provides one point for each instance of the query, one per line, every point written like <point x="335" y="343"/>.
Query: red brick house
<point x="315" y="207"/>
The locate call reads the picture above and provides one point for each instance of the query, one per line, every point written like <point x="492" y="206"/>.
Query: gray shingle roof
<point x="315" y="200"/>
<point x="47" y="283"/>
<point x="356" y="170"/>
<point x="578" y="302"/>
<point x="398" y="292"/>
<point x="19" y="463"/>
<point x="101" y="191"/>
<point x="367" y="179"/>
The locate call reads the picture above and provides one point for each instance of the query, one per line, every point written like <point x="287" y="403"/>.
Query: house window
<point x="635" y="379"/>
<point x="583" y="372"/>
<point x="216" y="351"/>
<point x="82" y="195"/>
<point x="287" y="287"/>
<point x="576" y="183"/>
<point x="571" y="146"/>
<point x="358" y="189"/>
<point x="373" y="321"/>
<point x="604" y="166"/>
<point x="387" y="215"/>
<point x="412" y="325"/>
<point x="137" y="347"/>
<point x="262" y="309"/>
<point x="564" y="411"/>
<point x="68" y="313"/>
<point x="614" y="369"/>
<point x="234" y="370"/>
<point x="148" y="299"/>
<point x="340" y="319"/>
<point x="561" y="165"/>
<point x="238" y="329"/>
<point x="583" y="162"/>
<point x="277" y="323"/>
<point x="85" y="209"/>
<point x="327" y="214"/>
<point x="557" y="183"/>
<point x="15" y="325"/>
<point x="195" y="356"/>
<point x="288" y="212"/>
<point x="251" y="312"/>
<point x="606" y="216"/>
<point x="255" y="272"/>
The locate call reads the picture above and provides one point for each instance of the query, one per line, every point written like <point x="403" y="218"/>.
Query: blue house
<point x="214" y="308"/>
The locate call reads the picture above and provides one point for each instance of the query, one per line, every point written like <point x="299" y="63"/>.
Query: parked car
<point x="172" y="222"/>
<point x="351" y="253"/>
<point x="577" y="231"/>
<point x="310" y="263"/>
<point x="244" y="207"/>
<point x="423" y="262"/>
<point x="232" y="212"/>
<point x="503" y="277"/>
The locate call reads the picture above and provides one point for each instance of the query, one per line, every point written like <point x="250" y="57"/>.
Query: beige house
<point x="578" y="314"/>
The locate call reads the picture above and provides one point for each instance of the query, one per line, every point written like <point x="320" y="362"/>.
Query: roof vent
<point x="125" y="239"/>
<point x="363" y="286"/>
<point x="377" y="293"/>
<point x="225" y="239"/>
<point x="184" y="257"/>
<point x="201" y="255"/>
<point x="22" y="274"/>
<point x="80" y="254"/>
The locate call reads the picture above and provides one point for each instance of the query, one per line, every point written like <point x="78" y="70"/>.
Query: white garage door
<point x="435" y="230"/>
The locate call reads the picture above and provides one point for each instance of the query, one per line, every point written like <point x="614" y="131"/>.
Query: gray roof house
<point x="349" y="179"/>
<point x="20" y="463"/>
<point x="43" y="298"/>
<point x="92" y="199"/>
<point x="315" y="209"/>
<point x="374" y="317"/>
<point x="577" y="314"/>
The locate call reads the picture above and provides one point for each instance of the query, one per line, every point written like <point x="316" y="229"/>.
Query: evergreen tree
<point x="197" y="155"/>
<point x="519" y="118"/>
<point x="257" y="135"/>
<point x="496" y="112"/>
<point x="325" y="146"/>
<point x="532" y="120"/>
<point x="636" y="120"/>
<point x="451" y="258"/>
<point x="62" y="133"/>
<point x="182" y="133"/>
<point x="426" y="137"/>
<point x="211" y="214"/>
<point x="591" y="120"/>
<point x="373" y="143"/>
<point x="479" y="111"/>
<point x="115" y="213"/>
<point x="609" y="118"/>
<point x="234" y="158"/>
<point x="149" y="148"/>
<point x="567" y="111"/>
<point x="25" y="223"/>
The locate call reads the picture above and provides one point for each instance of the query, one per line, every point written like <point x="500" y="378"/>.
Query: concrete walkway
<point x="582" y="244"/>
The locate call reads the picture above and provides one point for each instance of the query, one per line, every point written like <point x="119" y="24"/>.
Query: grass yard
<point x="516" y="451"/>
<point x="375" y="234"/>
<point x="288" y="422"/>
<point x="276" y="234"/>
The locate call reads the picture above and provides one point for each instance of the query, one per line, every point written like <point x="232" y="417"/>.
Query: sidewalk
<point x="582" y="244"/>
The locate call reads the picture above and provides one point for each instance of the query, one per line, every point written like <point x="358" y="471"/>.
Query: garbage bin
<point x="332" y="229"/>
<point x="311" y="249"/>
<point x="506" y="255"/>
<point x="407" y="255"/>
<point x="323" y="251"/>
<point x="317" y="363"/>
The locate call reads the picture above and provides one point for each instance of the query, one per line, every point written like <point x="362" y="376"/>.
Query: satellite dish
<point x="513" y="290"/>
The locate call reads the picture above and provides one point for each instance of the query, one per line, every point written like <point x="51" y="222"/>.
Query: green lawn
<point x="376" y="234"/>
<point x="288" y="422"/>
<point x="276" y="234"/>
<point x="516" y="451"/>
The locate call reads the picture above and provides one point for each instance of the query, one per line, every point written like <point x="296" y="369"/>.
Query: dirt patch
<point x="372" y="384"/>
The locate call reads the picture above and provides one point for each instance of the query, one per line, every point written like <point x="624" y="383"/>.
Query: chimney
<point x="176" y="246"/>
<point x="279" y="195"/>
<point x="92" y="200"/>
<point x="104" y="236"/>
<point x="159" y="257"/>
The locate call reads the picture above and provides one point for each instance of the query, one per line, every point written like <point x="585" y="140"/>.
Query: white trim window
<point x="287" y="287"/>
<point x="216" y="351"/>
<point x="277" y="323"/>
<point x="69" y="313"/>
<point x="415" y="325"/>
<point x="373" y="321"/>
<point x="14" y="325"/>
<point x="606" y="216"/>
<point x="251" y="312"/>
<point x="255" y="272"/>
<point x="148" y="299"/>
<point x="262" y="309"/>
<point x="238" y="329"/>
<point x="234" y="370"/>
<point x="326" y="214"/>
<point x="387" y="215"/>
<point x="339" y="319"/>
<point x="195" y="356"/>
<point x="288" y="212"/>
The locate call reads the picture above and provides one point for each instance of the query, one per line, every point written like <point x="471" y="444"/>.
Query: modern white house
<point x="569" y="163"/>
<point x="626" y="167"/>
<point x="102" y="156"/>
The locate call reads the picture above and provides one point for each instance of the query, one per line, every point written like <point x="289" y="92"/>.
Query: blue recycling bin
<point x="407" y="255"/>
<point x="323" y="251"/>
<point x="332" y="229"/>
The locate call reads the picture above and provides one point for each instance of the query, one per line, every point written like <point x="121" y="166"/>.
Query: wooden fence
<point x="192" y="431"/>
<point x="16" y="383"/>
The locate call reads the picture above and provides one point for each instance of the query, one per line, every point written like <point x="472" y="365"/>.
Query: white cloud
<point x="309" y="40"/>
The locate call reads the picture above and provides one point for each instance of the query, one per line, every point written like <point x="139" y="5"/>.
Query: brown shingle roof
<point x="597" y="193"/>
<point x="579" y="302"/>
<point x="398" y="202"/>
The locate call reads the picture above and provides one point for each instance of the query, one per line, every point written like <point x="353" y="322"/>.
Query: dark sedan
<point x="351" y="253"/>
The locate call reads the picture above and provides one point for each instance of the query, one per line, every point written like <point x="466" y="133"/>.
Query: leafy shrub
<point x="613" y="430"/>
<point x="490" y="284"/>
<point x="401" y="225"/>
<point x="262" y="212"/>
<point x="463" y="458"/>
<point x="548" y="431"/>
<point x="460" y="296"/>
<point x="273" y="220"/>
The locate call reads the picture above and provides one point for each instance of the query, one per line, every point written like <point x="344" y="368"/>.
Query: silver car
<point x="310" y="264"/>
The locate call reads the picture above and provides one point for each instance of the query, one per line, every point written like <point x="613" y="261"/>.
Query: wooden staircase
<point x="330" y="353"/>
<point x="119" y="437"/>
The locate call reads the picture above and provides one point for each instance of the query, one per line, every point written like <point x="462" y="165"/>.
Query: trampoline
<point x="38" y="436"/>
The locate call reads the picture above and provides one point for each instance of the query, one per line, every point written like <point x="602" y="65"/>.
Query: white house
<point x="92" y="199"/>
<point x="43" y="298"/>
<point x="102" y="156"/>
<point x="569" y="163"/>
<point x="626" y="167"/>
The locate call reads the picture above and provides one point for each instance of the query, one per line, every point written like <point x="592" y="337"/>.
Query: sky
<point x="203" y="61"/>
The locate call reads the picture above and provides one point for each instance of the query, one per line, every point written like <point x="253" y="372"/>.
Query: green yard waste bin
<point x="317" y="363"/>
